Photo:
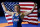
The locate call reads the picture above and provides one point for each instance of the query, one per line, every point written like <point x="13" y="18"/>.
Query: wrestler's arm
<point x="5" y="9"/>
<point x="27" y="13"/>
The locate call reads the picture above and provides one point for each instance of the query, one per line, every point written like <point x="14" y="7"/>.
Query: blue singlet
<point x="17" y="23"/>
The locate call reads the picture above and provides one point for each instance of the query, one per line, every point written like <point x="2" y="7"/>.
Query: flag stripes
<point x="32" y="18"/>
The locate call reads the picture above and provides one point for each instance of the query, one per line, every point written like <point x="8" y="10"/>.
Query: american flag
<point x="25" y="6"/>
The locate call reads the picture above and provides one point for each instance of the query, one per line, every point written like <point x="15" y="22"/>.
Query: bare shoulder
<point x="14" y="12"/>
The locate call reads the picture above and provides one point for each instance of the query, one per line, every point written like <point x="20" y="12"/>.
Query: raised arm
<point x="26" y="13"/>
<point x="33" y="8"/>
<point x="5" y="9"/>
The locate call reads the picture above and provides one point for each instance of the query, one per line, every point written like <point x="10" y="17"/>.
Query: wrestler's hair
<point x="17" y="5"/>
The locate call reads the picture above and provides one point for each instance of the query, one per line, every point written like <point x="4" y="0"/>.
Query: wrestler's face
<point x="17" y="8"/>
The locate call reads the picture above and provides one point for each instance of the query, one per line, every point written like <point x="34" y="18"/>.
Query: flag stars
<point x="10" y="5"/>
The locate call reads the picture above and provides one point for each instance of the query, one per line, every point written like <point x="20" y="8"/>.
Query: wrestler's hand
<point x="2" y="3"/>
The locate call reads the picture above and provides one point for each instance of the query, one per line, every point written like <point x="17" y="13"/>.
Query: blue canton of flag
<point x="10" y="5"/>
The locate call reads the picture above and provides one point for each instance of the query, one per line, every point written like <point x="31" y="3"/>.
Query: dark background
<point x="2" y="12"/>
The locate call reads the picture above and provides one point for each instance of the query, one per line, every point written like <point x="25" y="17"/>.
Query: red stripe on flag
<point x="9" y="19"/>
<point x="30" y="19"/>
<point x="10" y="22"/>
<point x="26" y="4"/>
<point x="33" y="23"/>
<point x="28" y="8"/>
<point x="34" y="12"/>
<point x="7" y="15"/>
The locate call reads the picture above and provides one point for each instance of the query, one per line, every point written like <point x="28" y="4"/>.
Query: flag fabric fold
<point x="25" y="6"/>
